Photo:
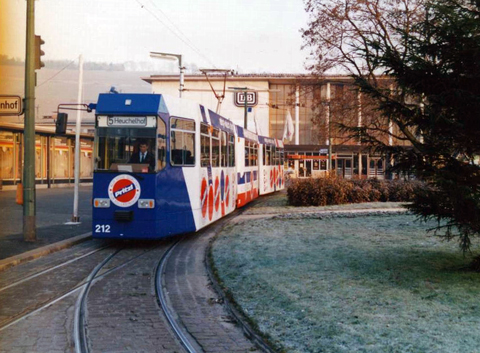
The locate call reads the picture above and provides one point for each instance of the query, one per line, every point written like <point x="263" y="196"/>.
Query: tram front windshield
<point x="116" y="147"/>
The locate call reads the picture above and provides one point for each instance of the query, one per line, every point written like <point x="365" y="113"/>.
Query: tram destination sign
<point x="10" y="105"/>
<point x="126" y="121"/>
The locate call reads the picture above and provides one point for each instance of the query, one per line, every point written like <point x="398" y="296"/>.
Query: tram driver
<point x="143" y="156"/>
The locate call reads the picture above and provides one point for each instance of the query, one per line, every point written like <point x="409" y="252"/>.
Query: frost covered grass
<point x="362" y="284"/>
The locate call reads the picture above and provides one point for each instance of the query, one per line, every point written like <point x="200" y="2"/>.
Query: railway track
<point x="154" y="297"/>
<point x="51" y="268"/>
<point x="51" y="283"/>
<point x="87" y="339"/>
<point x="188" y="342"/>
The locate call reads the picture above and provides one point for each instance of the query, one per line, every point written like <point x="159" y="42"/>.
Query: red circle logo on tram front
<point x="124" y="190"/>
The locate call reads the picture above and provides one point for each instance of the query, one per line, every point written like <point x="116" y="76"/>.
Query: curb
<point x="239" y="317"/>
<point x="44" y="250"/>
<point x="249" y="332"/>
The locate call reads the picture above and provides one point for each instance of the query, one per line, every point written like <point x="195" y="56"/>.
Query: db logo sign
<point x="124" y="190"/>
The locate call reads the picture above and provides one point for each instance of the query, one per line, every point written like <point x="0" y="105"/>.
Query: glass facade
<point x="282" y="100"/>
<point x="8" y="155"/>
<point x="54" y="158"/>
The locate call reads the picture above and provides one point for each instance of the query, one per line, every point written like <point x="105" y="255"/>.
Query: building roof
<point x="279" y="78"/>
<point x="289" y="148"/>
<point x="47" y="130"/>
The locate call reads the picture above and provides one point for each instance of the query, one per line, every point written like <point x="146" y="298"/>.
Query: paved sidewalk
<point x="54" y="208"/>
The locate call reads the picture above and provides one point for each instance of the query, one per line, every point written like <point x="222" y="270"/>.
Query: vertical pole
<point x="29" y="221"/>
<point x="78" y="127"/>
<point x="49" y="167"/>
<point x="182" y="75"/>
<point x="297" y="115"/>
<point x="329" y="136"/>
<point x="359" y="124"/>
<point x="245" y="114"/>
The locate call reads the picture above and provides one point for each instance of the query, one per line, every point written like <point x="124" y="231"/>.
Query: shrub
<point x="335" y="191"/>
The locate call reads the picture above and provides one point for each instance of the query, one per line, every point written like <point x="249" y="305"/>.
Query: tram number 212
<point x="102" y="228"/>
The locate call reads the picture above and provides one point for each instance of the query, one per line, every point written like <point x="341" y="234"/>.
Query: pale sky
<point x="245" y="35"/>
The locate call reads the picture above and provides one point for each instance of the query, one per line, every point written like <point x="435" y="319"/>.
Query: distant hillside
<point x="73" y="65"/>
<point x="157" y="66"/>
<point x="55" y="87"/>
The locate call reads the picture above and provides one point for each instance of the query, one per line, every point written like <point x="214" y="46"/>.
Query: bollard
<point x="19" y="194"/>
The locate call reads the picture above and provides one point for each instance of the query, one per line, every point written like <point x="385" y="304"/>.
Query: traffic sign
<point x="10" y="105"/>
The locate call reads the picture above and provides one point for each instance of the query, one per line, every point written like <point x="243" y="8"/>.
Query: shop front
<point x="312" y="161"/>
<point x="54" y="156"/>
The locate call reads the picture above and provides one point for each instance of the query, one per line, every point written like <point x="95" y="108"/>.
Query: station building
<point x="313" y="150"/>
<point x="272" y="99"/>
<point x="54" y="156"/>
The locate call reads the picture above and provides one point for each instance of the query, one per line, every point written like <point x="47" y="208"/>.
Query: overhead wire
<point x="174" y="25"/>
<point x="58" y="73"/>
<point x="179" y="36"/>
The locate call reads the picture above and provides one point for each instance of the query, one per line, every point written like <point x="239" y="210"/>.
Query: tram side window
<point x="254" y="154"/>
<point x="267" y="156"/>
<point x="223" y="148"/>
<point x="182" y="142"/>
<point x="204" y="145"/>
<point x="278" y="156"/>
<point x="162" y="144"/>
<point x="231" y="150"/>
<point x="215" y="148"/>
<point x="247" y="153"/>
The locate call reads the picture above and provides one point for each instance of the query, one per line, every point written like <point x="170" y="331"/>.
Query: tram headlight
<point x="101" y="203"/>
<point x="146" y="203"/>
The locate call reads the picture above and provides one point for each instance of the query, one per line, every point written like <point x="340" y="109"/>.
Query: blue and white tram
<point x="203" y="166"/>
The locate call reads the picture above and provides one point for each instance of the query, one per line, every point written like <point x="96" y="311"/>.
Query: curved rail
<point x="33" y="309"/>
<point x="35" y="275"/>
<point x="159" y="286"/>
<point x="80" y="337"/>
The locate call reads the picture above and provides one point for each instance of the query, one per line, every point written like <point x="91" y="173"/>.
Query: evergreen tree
<point x="430" y="51"/>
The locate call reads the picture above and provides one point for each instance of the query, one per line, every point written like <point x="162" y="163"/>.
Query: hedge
<point x="335" y="191"/>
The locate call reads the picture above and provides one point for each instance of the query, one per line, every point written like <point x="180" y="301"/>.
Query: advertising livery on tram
<point x="166" y="166"/>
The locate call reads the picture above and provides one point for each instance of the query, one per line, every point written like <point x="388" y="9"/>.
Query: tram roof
<point x="130" y="103"/>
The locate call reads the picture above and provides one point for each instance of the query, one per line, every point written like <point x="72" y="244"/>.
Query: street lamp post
<point x="169" y="56"/>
